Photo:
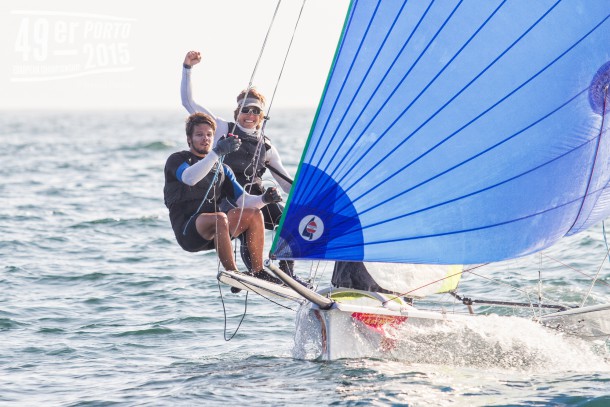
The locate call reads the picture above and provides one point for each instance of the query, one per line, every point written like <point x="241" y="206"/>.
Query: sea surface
<point x="100" y="307"/>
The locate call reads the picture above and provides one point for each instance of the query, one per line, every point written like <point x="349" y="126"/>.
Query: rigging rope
<point x="434" y="282"/>
<point x="601" y="131"/>
<point x="599" y="269"/>
<point x="243" y="102"/>
<point x="575" y="269"/>
<point x="261" y="136"/>
<point x="221" y="159"/>
<point x="283" y="65"/>
<point x="277" y="7"/>
<point x="225" y="313"/>
<point x="212" y="184"/>
<point x="470" y="270"/>
<point x="256" y="157"/>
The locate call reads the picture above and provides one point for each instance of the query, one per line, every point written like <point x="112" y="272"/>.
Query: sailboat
<point x="449" y="135"/>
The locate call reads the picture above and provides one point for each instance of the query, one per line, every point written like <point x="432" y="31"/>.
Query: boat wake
<point x="491" y="342"/>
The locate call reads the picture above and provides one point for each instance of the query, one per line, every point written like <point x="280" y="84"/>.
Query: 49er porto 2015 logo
<point x="311" y="227"/>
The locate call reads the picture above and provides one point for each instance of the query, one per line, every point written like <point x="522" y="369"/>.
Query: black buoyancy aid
<point x="181" y="193"/>
<point x="248" y="162"/>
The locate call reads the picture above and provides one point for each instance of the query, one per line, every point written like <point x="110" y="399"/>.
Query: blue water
<point x="100" y="306"/>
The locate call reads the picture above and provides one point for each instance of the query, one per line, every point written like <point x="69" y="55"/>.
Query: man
<point x="194" y="187"/>
<point x="254" y="155"/>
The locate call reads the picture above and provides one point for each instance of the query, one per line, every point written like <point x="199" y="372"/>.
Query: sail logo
<point x="311" y="227"/>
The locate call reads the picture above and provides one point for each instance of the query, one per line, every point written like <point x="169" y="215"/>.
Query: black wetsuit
<point x="248" y="164"/>
<point x="249" y="171"/>
<point x="183" y="201"/>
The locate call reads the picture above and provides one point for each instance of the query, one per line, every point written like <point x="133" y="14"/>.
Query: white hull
<point x="359" y="321"/>
<point x="587" y="322"/>
<point x="353" y="323"/>
<point x="359" y="325"/>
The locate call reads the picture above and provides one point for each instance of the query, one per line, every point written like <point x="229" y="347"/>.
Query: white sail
<point x="415" y="280"/>
<point x="404" y="280"/>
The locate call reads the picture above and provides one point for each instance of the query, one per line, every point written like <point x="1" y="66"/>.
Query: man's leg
<point x="216" y="226"/>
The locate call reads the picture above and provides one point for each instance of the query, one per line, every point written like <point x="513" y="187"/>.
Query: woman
<point x="256" y="152"/>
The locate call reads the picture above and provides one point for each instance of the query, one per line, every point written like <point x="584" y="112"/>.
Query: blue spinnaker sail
<point x="456" y="132"/>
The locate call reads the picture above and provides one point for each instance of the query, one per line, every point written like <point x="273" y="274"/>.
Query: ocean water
<point x="100" y="306"/>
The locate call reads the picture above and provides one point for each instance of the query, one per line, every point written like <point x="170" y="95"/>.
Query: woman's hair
<point x="252" y="93"/>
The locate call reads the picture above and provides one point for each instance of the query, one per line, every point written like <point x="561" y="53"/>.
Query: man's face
<point x="202" y="139"/>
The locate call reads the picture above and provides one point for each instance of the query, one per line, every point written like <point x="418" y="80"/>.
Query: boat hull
<point x="363" y="324"/>
<point x="373" y="325"/>
<point x="592" y="322"/>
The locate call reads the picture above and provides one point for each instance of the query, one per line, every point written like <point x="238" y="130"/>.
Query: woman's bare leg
<point x="250" y="222"/>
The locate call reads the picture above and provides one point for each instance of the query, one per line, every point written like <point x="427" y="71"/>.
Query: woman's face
<point x="249" y="117"/>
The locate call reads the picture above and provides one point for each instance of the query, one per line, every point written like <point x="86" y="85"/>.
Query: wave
<point x="8" y="324"/>
<point x="154" y="331"/>
<point x="152" y="146"/>
<point x="139" y="221"/>
<point x="57" y="278"/>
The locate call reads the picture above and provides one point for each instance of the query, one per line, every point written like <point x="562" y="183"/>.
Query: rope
<point x="261" y="136"/>
<point x="470" y="270"/>
<point x="527" y="294"/>
<point x="277" y="83"/>
<point x="256" y="158"/>
<point x="396" y="296"/>
<point x="253" y="289"/>
<point x="599" y="269"/>
<point x="283" y="65"/>
<point x="225" y="314"/>
<point x="241" y="107"/>
<point x="604" y="233"/>
<point x="212" y="184"/>
<point x="575" y="269"/>
<point x="601" y="131"/>
<point x="259" y="59"/>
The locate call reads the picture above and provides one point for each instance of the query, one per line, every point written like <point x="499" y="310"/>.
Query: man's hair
<point x="198" y="118"/>
<point x="252" y="93"/>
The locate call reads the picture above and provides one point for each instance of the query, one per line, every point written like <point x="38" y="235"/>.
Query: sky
<point x="120" y="54"/>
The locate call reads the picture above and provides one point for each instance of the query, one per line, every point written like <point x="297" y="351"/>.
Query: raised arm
<point x="191" y="59"/>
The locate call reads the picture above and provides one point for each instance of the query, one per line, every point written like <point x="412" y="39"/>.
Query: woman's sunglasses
<point x="251" y="110"/>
